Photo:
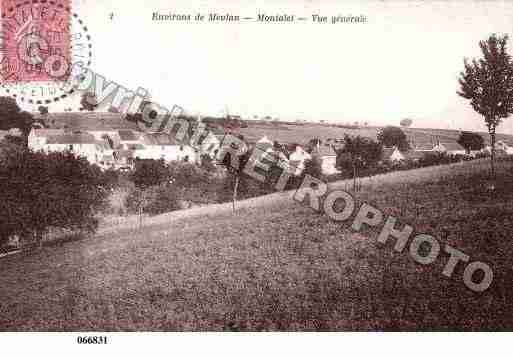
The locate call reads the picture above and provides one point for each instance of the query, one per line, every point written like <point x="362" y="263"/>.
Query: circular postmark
<point x="40" y="42"/>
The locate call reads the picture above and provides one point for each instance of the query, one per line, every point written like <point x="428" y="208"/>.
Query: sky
<point x="403" y="62"/>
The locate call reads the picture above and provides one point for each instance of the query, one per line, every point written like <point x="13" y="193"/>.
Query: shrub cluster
<point x="161" y="187"/>
<point x="429" y="159"/>
<point x="42" y="191"/>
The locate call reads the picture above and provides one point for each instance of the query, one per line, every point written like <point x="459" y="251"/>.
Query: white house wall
<point x="329" y="165"/>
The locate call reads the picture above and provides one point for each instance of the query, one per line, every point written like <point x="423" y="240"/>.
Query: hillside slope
<point x="276" y="265"/>
<point x="302" y="133"/>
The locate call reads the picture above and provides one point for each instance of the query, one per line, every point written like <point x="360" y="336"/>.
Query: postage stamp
<point x="40" y="42"/>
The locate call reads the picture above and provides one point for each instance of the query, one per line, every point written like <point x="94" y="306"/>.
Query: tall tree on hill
<point x="488" y="83"/>
<point x="393" y="136"/>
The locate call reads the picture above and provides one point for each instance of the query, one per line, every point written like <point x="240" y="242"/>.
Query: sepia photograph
<point x="255" y="166"/>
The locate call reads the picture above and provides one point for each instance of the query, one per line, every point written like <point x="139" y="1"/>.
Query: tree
<point x="40" y="191"/>
<point x="147" y="174"/>
<point x="109" y="140"/>
<point x="358" y="153"/>
<point x="150" y="173"/>
<point x="89" y="101"/>
<point x="11" y="116"/>
<point x="236" y="166"/>
<point x="393" y="136"/>
<point x="313" y="143"/>
<point x="471" y="141"/>
<point x="43" y="110"/>
<point x="406" y="122"/>
<point x="8" y="106"/>
<point x="488" y="83"/>
<point x="15" y="140"/>
<point x="313" y="167"/>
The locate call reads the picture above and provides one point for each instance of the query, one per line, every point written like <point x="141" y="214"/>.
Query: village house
<point x="165" y="147"/>
<point x="96" y="151"/>
<point x="128" y="138"/>
<point x="450" y="148"/>
<point x="80" y="143"/>
<point x="264" y="147"/>
<point x="328" y="157"/>
<point x="209" y="145"/>
<point x="392" y="154"/>
<point x="101" y="143"/>
<point x="264" y="144"/>
<point x="501" y="148"/>
<point x="111" y="136"/>
<point x="38" y="137"/>
<point x="297" y="159"/>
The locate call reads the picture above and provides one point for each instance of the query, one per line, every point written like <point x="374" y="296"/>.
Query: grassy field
<point x="301" y="134"/>
<point x="289" y="133"/>
<point x="277" y="265"/>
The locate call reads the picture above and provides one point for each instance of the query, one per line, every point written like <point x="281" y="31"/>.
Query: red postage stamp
<point x="35" y="41"/>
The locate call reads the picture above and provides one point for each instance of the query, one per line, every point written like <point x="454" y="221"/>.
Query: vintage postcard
<point x="285" y="166"/>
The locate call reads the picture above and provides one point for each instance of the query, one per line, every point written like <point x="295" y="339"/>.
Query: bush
<point x="248" y="188"/>
<point x="118" y="201"/>
<point x="153" y="200"/>
<point x="434" y="159"/>
<point x="186" y="175"/>
<point x="393" y="136"/>
<point x="161" y="199"/>
<point x="313" y="167"/>
<point x="149" y="173"/>
<point x="40" y="191"/>
<point x="208" y="163"/>
<point x="359" y="153"/>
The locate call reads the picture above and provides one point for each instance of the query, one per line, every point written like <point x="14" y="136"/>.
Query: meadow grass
<point x="277" y="265"/>
<point x="301" y="134"/>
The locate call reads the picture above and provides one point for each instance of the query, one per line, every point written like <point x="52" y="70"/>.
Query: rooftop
<point x="160" y="139"/>
<point x="71" y="139"/>
<point x="46" y="132"/>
